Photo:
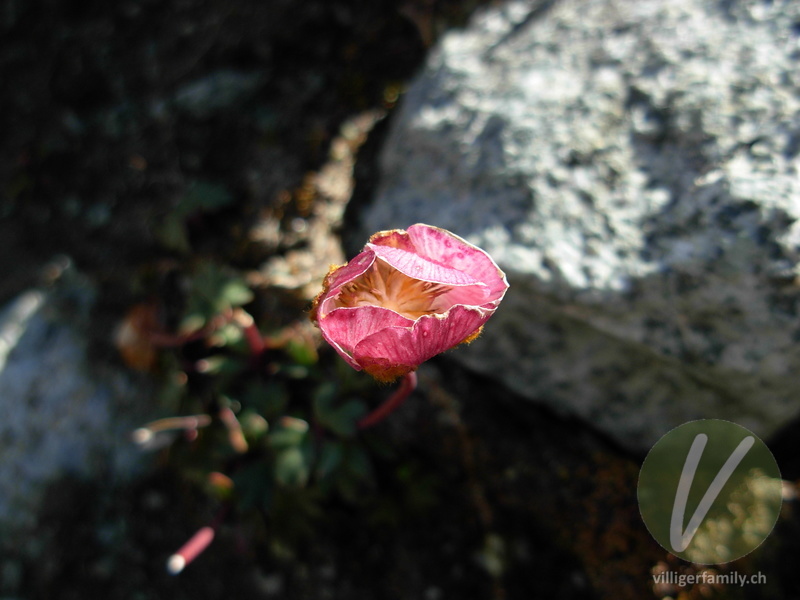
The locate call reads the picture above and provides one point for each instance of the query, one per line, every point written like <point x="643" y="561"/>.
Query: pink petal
<point x="429" y="336"/>
<point x="419" y="267"/>
<point x="469" y="295"/>
<point x="337" y="278"/>
<point x="394" y="238"/>
<point x="344" y="328"/>
<point x="447" y="248"/>
<point x="357" y="266"/>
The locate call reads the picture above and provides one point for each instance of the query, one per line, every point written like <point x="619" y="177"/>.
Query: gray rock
<point x="633" y="166"/>
<point x="61" y="414"/>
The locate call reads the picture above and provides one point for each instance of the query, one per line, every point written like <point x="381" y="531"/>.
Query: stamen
<point x="383" y="285"/>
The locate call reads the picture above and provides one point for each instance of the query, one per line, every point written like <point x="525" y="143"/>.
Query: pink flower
<point x="408" y="296"/>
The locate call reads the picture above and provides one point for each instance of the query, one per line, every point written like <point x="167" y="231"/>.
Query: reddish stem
<point x="196" y="544"/>
<point x="191" y="549"/>
<point x="188" y="422"/>
<point x="235" y="433"/>
<point x="254" y="340"/>
<point x="407" y="385"/>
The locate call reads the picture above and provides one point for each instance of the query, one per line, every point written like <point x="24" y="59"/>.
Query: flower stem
<point x="196" y="544"/>
<point x="190" y="550"/>
<point x="144" y="435"/>
<point x="235" y="433"/>
<point x="407" y="385"/>
<point x="252" y="335"/>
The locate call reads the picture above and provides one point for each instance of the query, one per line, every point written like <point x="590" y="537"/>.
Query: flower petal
<point x="419" y="267"/>
<point x="469" y="295"/>
<point x="447" y="248"/>
<point x="344" y="328"/>
<point x="337" y="278"/>
<point x="429" y="336"/>
<point x="394" y="238"/>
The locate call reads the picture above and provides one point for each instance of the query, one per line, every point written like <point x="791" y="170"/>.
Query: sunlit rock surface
<point x="633" y="166"/>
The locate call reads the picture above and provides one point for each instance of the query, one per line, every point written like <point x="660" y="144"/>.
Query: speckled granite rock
<point x="60" y="413"/>
<point x="634" y="168"/>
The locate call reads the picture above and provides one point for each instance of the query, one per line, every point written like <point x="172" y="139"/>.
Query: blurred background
<point x="179" y="175"/>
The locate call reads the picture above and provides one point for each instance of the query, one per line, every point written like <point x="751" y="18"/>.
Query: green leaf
<point x="228" y="335"/>
<point x="171" y="232"/>
<point x="192" y="322"/>
<point x="291" y="467"/>
<point x="253" y="485"/>
<point x="342" y="419"/>
<point x="253" y="424"/>
<point x="330" y="458"/>
<point x="355" y="474"/>
<point x="269" y="398"/>
<point x="324" y="397"/>
<point x="220" y="365"/>
<point x="357" y="462"/>
<point x="201" y="196"/>
<point x="288" y="433"/>
<point x="235" y="293"/>
<point x="302" y="351"/>
<point x="214" y="291"/>
<point x="293" y="371"/>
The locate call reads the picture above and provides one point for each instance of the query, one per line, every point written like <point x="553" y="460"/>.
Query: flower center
<point x="383" y="285"/>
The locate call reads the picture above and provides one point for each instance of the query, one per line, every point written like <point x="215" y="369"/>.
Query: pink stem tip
<point x="407" y="385"/>
<point x="190" y="550"/>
